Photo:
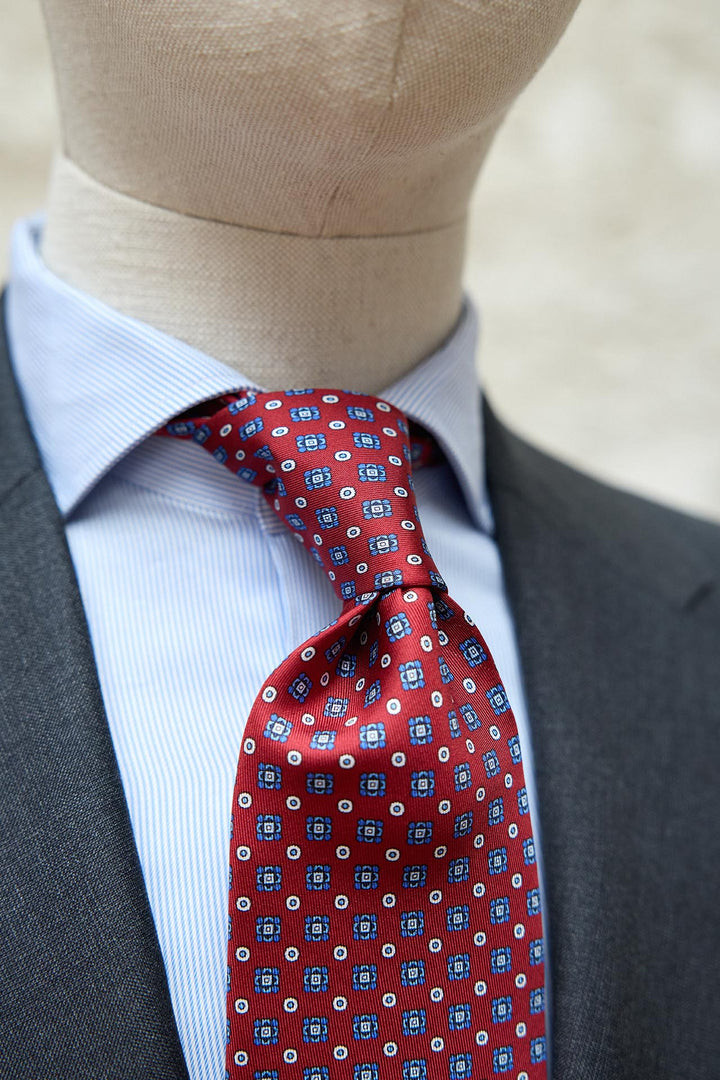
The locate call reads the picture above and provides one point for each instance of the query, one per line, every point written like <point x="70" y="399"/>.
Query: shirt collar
<point x="96" y="383"/>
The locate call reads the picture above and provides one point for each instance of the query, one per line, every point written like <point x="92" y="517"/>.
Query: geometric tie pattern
<point x="385" y="918"/>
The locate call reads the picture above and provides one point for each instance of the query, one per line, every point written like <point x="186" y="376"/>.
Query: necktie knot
<point x="336" y="468"/>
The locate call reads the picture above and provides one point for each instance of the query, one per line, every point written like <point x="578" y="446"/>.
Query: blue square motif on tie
<point x="373" y="509"/>
<point x="500" y="910"/>
<point x="323" y="740"/>
<point x="265" y="1032"/>
<point x="316" y="1072"/>
<point x="498" y="699"/>
<point x="373" y="784"/>
<point x="327" y="517"/>
<point x="457" y="918"/>
<point x="372" y="694"/>
<point x="458" y="870"/>
<point x="445" y="673"/>
<point x="363" y="440"/>
<point x="315" y="980"/>
<point x="267" y="980"/>
<point x="502" y="1059"/>
<point x="535" y="950"/>
<point x="317" y="927"/>
<point x="269" y="777"/>
<point x="335" y="649"/>
<point x="412" y="923"/>
<point x="252" y="427"/>
<point x="369" y="831"/>
<point x="463" y="824"/>
<point x="242" y="403"/>
<point x="315" y="1029"/>
<point x="514" y="748"/>
<point x="268" y="878"/>
<point x="460" y="1066"/>
<point x="366" y="1072"/>
<point x="491" y="763"/>
<point x="300" y="687"/>
<point x="388" y="579"/>
<point x="319" y="477"/>
<point x="537" y="1051"/>
<point x="337" y="707"/>
<point x="419" y="832"/>
<point x="277" y="728"/>
<point x="458" y="967"/>
<point x="422" y="784"/>
<point x="411" y="675"/>
<point x="383" y="544"/>
<point x="318" y="828"/>
<point x="365" y="1026"/>
<point x="364" y="976"/>
<point x="533" y="902"/>
<point x="420" y="730"/>
<point x="366" y="877"/>
<point x="319" y="783"/>
<point x="304" y="413"/>
<point x="364" y="927"/>
<point x="398" y="626"/>
<point x="414" y="877"/>
<point x="500" y="961"/>
<point x="267" y="928"/>
<point x="462" y="776"/>
<point x="414" y="1022"/>
<point x="268" y="827"/>
<point x="346" y="666"/>
<point x="370" y="472"/>
<point x="501" y="1010"/>
<point x="317" y="878"/>
<point x="454" y="725"/>
<point x="497" y="861"/>
<point x="459" y="1017"/>
<point x="307" y="443"/>
<point x="470" y="717"/>
<point x="412" y="973"/>
<point x="357" y="412"/>
<point x="473" y="651"/>
<point x="372" y="737"/>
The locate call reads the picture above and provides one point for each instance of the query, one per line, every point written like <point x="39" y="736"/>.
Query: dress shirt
<point x="194" y="591"/>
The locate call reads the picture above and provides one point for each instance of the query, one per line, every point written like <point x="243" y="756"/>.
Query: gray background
<point x="594" y="247"/>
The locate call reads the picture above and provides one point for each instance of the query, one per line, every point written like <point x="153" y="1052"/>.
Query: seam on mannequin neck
<point x="372" y="143"/>
<point x="116" y="193"/>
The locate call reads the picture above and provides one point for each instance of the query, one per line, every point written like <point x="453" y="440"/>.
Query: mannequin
<point x="282" y="185"/>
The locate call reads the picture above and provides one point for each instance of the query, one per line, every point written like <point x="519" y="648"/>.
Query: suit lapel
<point x="600" y="586"/>
<point x="84" y="988"/>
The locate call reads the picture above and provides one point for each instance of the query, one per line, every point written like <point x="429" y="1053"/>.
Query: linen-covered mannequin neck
<point x="322" y="119"/>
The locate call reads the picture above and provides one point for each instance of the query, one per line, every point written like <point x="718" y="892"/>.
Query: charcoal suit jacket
<point x="617" y="607"/>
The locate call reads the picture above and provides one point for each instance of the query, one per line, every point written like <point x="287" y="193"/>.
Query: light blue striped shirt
<point x="194" y="590"/>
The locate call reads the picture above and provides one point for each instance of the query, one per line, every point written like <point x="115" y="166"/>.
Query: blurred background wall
<point x="595" y="241"/>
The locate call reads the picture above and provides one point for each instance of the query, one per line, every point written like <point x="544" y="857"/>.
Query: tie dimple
<point x="385" y="917"/>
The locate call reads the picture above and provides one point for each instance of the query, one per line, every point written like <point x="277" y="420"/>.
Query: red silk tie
<point x="384" y="904"/>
